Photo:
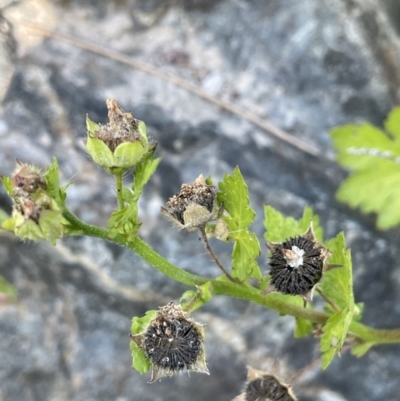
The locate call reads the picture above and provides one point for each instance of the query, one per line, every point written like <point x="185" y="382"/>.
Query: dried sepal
<point x="264" y="386"/>
<point x="27" y="179"/>
<point x="193" y="206"/>
<point x="297" y="265"/>
<point x="173" y="343"/>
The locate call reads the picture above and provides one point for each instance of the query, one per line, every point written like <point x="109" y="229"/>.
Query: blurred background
<point x="304" y="66"/>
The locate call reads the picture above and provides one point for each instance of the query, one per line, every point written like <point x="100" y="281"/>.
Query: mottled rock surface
<point x="306" y="66"/>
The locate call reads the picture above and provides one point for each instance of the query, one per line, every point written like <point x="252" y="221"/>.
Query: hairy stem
<point x="213" y="255"/>
<point x="120" y="199"/>
<point x="275" y="301"/>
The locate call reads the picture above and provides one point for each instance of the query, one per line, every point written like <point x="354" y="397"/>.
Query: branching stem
<point x="246" y="292"/>
<point x="213" y="255"/>
<point x="327" y="300"/>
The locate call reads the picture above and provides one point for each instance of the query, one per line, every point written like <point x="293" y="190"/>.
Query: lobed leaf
<point x="392" y="123"/>
<point x="234" y="196"/>
<point x="374" y="157"/>
<point x="337" y="286"/>
<point x="280" y="228"/>
<point x="375" y="189"/>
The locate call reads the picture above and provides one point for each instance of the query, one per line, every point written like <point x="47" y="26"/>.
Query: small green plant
<point x="302" y="263"/>
<point x="373" y="156"/>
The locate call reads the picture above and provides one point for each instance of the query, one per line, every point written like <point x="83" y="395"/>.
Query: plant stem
<point x="119" y="185"/>
<point x="275" y="301"/>
<point x="140" y="248"/>
<point x="213" y="255"/>
<point x="327" y="300"/>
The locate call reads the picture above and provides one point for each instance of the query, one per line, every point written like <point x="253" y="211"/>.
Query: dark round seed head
<point x="296" y="265"/>
<point x="267" y="388"/>
<point x="173" y="343"/>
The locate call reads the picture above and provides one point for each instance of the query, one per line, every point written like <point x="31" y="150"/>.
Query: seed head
<point x="120" y="144"/>
<point x="35" y="214"/>
<point x="173" y="343"/>
<point x="193" y="206"/>
<point x="26" y="179"/>
<point x="262" y="386"/>
<point x="297" y="265"/>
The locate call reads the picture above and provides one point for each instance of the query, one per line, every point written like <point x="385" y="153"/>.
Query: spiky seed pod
<point x="193" y="206"/>
<point x="173" y="343"/>
<point x="297" y="265"/>
<point x="262" y="386"/>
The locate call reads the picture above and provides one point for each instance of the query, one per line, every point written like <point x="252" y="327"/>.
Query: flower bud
<point x="173" y="343"/>
<point x="297" y="265"/>
<point x="193" y="206"/>
<point x="118" y="145"/>
<point x="262" y="386"/>
<point x="35" y="214"/>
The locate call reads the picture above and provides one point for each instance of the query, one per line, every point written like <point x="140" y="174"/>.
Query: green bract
<point x="119" y="145"/>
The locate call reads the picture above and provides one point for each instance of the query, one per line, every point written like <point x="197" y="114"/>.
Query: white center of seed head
<point x="295" y="258"/>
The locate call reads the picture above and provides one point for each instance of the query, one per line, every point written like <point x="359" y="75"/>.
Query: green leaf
<point x="53" y="181"/>
<point x="9" y="224"/>
<point x="139" y="324"/>
<point x="303" y="327"/>
<point x="7" y="185"/>
<point x="337" y="286"/>
<point x="246" y="250"/>
<point x="234" y="196"/>
<point x="331" y="339"/>
<point x="375" y="189"/>
<point x="361" y="349"/>
<point x="304" y="223"/>
<point x="143" y="172"/>
<point x="7" y="288"/>
<point x="125" y="221"/>
<point x="3" y="216"/>
<point x="50" y="224"/>
<point x="280" y="228"/>
<point x="358" y="311"/>
<point x="392" y="123"/>
<point x="139" y="360"/>
<point x="374" y="158"/>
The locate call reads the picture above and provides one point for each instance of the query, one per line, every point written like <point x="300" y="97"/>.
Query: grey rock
<point x="307" y="66"/>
